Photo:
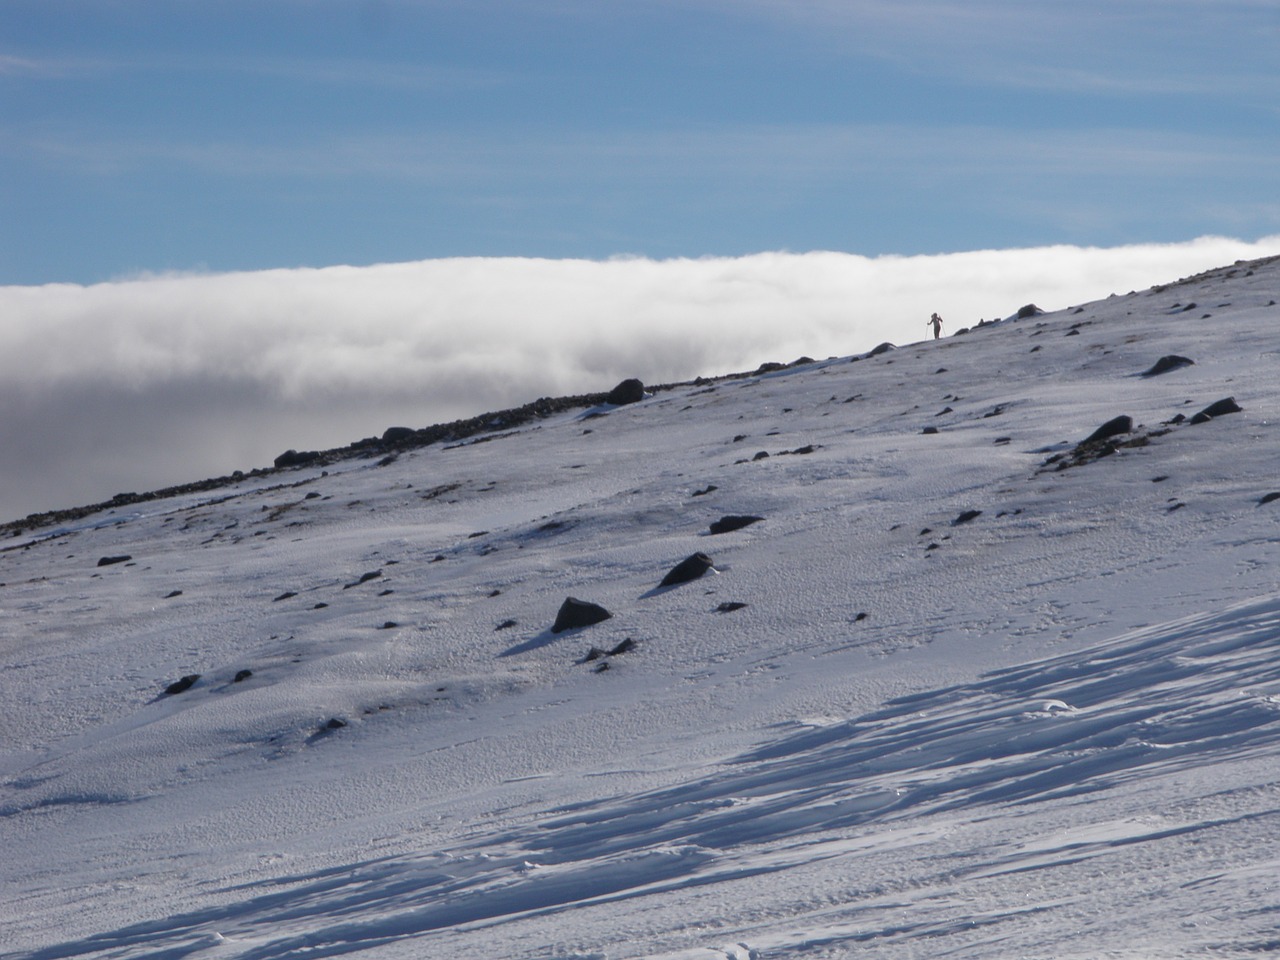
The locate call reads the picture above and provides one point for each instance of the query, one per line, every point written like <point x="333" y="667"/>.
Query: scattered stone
<point x="1218" y="408"/>
<point x="313" y="495"/>
<point x="364" y="578"/>
<point x="242" y="676"/>
<point x="860" y="617"/>
<point x="1166" y="363"/>
<point x="180" y="686"/>
<point x="929" y="430"/>
<point x="319" y="606"/>
<point x="944" y="410"/>
<point x="173" y="593"/>
<point x="882" y="348"/>
<point x="108" y="561"/>
<point x="504" y="625"/>
<point x="966" y="517"/>
<point x="762" y="455"/>
<point x="690" y="568"/>
<point x="386" y="593"/>
<point x="729" y="606"/>
<point x="1270" y="497"/>
<point x="1112" y="428"/>
<point x="710" y="488"/>
<point x="628" y="391"/>
<point x="1160" y="479"/>
<point x="733" y="522"/>
<point x="285" y="596"/>
<point x="389" y="625"/>
<point x="335" y="723"/>
<point x="575" y="613"/>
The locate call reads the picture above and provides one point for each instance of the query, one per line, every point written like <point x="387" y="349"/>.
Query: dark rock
<point x="242" y="676"/>
<point x="881" y="348"/>
<point x="966" y="517"/>
<point x="285" y="596"/>
<point x="576" y="613"/>
<point x="312" y="496"/>
<point x="729" y="606"/>
<point x="733" y="522"/>
<point x="929" y="430"/>
<point x="504" y="625"/>
<point x="710" y="488"/>
<point x="319" y="606"/>
<point x="292" y="458"/>
<point x="628" y="391"/>
<point x="762" y="455"/>
<point x="389" y="625"/>
<point x="364" y="578"/>
<point x="1166" y="363"/>
<point x="624" y="647"/>
<point x="770" y="366"/>
<point x="179" y="686"/>
<point x="1030" y="310"/>
<point x="173" y="593"/>
<point x="1218" y="408"/>
<point x="1112" y="428"/>
<point x="1268" y="498"/>
<point x="335" y="723"/>
<point x="398" y="434"/>
<point x="860" y="617"/>
<point x="108" y="561"/>
<point x="690" y="568"/>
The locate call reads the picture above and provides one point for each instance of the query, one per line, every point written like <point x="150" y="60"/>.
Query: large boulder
<point x="628" y="391"/>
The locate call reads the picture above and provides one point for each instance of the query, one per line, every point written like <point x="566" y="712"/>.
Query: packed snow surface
<point x="966" y="690"/>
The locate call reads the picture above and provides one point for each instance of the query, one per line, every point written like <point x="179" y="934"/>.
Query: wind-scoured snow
<point x="966" y="690"/>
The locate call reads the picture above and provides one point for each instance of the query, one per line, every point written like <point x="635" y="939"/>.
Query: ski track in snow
<point x="1049" y="730"/>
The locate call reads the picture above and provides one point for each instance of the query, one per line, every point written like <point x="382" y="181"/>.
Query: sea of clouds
<point x="153" y="380"/>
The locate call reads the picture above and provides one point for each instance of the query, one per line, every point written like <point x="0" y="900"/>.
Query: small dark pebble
<point x="242" y="676"/>
<point x="929" y="430"/>
<point x="389" y="625"/>
<point x="335" y="723"/>
<point x="285" y="596"/>
<point x="860" y="617"/>
<point x="762" y="455"/>
<point x="108" y="561"/>
<point x="729" y="606"/>
<point x="173" y="593"/>
<point x="504" y="625"/>
<point x="710" y="488"/>
<point x="1275" y="495"/>
<point x="966" y="517"/>
<point x="319" y="606"/>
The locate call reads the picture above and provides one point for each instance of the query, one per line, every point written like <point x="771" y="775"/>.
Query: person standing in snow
<point x="936" y="322"/>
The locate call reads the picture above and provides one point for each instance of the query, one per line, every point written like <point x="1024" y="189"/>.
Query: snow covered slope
<point x="967" y="689"/>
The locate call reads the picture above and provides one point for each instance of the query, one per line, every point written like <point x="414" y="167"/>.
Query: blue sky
<point x="160" y="136"/>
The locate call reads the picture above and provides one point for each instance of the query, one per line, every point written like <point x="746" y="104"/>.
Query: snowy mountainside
<point x="967" y="689"/>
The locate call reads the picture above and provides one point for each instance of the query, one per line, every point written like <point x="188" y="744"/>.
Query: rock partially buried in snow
<point x="733" y="522"/>
<point x="181" y="686"/>
<point x="108" y="561"/>
<point x="1166" y="363"/>
<point x="690" y="568"/>
<point x="1112" y="428"/>
<point x="1219" y="408"/>
<point x="628" y="391"/>
<point x="576" y="613"/>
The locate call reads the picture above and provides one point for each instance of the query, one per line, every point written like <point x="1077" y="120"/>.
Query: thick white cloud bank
<point x="145" y="382"/>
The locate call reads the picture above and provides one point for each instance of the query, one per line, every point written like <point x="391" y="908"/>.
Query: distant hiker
<point x="936" y="322"/>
